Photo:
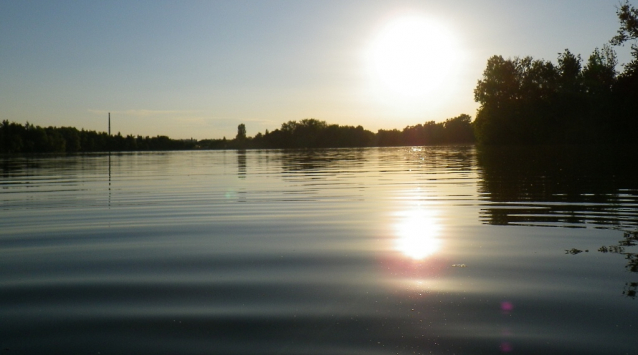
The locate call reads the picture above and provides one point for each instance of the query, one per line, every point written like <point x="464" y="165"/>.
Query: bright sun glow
<point x="413" y="56"/>
<point x="418" y="234"/>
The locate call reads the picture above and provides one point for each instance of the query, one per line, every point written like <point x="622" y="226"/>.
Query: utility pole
<point x="109" y="124"/>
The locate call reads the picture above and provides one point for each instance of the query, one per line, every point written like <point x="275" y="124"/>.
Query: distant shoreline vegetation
<point x="307" y="133"/>
<point x="17" y="138"/>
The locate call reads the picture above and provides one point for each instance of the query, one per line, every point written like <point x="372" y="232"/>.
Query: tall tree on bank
<point x="516" y="97"/>
<point x="628" y="17"/>
<point x="626" y="88"/>
<point x="241" y="132"/>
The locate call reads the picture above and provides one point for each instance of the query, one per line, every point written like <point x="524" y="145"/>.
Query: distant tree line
<point x="307" y="133"/>
<point x="534" y="101"/>
<point x="27" y="138"/>
<point x="313" y="133"/>
<point x="457" y="130"/>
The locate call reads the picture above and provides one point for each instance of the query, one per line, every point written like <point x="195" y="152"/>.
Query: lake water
<point x="442" y="250"/>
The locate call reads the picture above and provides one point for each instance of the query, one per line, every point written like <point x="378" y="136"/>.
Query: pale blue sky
<point x="199" y="68"/>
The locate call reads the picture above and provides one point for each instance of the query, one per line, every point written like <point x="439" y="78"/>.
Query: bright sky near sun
<point x="200" y="68"/>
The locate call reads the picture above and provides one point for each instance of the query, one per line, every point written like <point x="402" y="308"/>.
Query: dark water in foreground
<point x="441" y="250"/>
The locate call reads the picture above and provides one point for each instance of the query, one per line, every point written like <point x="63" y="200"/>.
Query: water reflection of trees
<point x="387" y="161"/>
<point x="322" y="161"/>
<point x="241" y="163"/>
<point x="564" y="187"/>
<point x="559" y="186"/>
<point x="629" y="239"/>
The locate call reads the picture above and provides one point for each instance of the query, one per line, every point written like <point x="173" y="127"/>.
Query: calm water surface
<point x="443" y="250"/>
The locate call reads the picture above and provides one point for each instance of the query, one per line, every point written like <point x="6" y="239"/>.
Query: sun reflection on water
<point x="418" y="233"/>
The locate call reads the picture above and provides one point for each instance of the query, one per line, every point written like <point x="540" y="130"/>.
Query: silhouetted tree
<point x="529" y="101"/>
<point x="459" y="129"/>
<point x="599" y="73"/>
<point x="569" y="73"/>
<point x="628" y="17"/>
<point x="313" y="133"/>
<point x="499" y="93"/>
<point x="626" y="88"/>
<point x="241" y="132"/>
<point x="388" y="138"/>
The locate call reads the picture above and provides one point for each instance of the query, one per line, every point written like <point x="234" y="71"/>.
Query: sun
<point x="413" y="56"/>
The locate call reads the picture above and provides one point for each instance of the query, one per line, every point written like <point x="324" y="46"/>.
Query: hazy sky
<point x="199" y="68"/>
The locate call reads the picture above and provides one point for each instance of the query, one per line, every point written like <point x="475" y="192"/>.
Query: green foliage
<point x="452" y="131"/>
<point x="389" y="138"/>
<point x="517" y="96"/>
<point x="458" y="129"/>
<point x="241" y="132"/>
<point x="16" y="138"/>
<point x="529" y="101"/>
<point x="599" y="75"/>
<point x="312" y="133"/>
<point x="628" y="17"/>
<point x="569" y="73"/>
<point x="307" y="133"/>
